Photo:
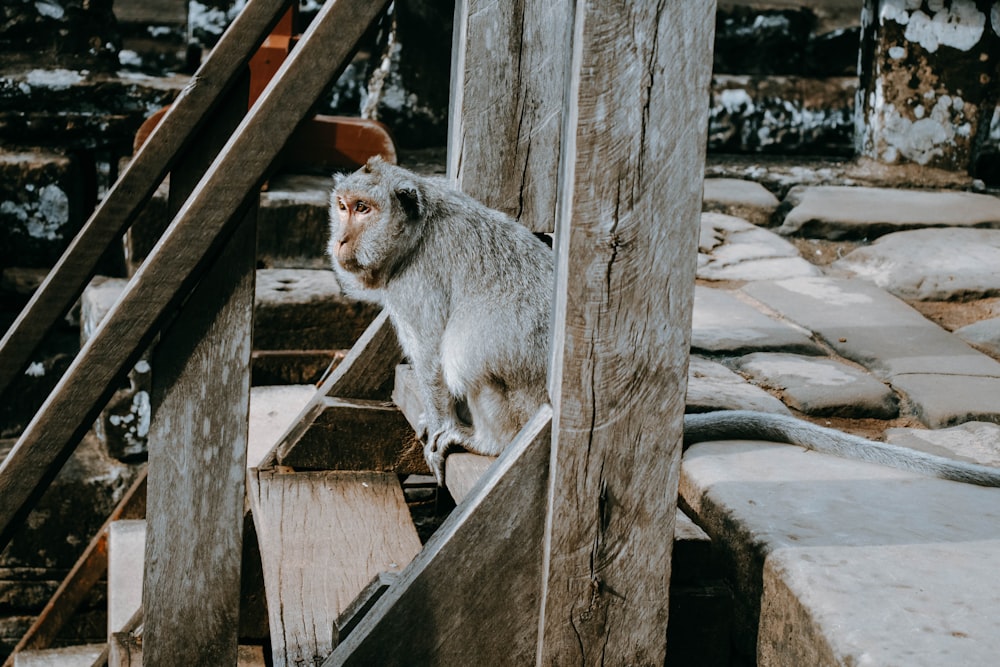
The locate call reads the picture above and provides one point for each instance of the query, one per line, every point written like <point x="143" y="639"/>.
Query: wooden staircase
<point x="326" y="528"/>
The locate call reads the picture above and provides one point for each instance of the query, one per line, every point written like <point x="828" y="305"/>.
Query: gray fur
<point x="469" y="290"/>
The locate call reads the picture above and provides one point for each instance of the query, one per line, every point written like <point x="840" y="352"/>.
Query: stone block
<point x="985" y="335"/>
<point x="712" y="386"/>
<point x="300" y="309"/>
<point x="837" y="212"/>
<point x="931" y="264"/>
<point x="43" y="201"/>
<point x="839" y="562"/>
<point x="976" y="442"/>
<point x="731" y="248"/>
<point x="820" y="386"/>
<point x="722" y="323"/>
<point x="743" y="199"/>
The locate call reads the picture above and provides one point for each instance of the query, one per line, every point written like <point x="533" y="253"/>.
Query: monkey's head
<point x="377" y="216"/>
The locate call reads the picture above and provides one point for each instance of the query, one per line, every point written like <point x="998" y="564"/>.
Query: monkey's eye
<point x="361" y="207"/>
<point x="341" y="205"/>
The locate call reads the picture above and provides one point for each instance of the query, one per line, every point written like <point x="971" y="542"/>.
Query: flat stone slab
<point x="745" y="199"/>
<point x="865" y="324"/>
<point x="985" y="335"/>
<point x="946" y="381"/>
<point x="821" y="386"/>
<point x="839" y="212"/>
<point x="976" y="442"/>
<point x="722" y="323"/>
<point x="839" y="562"/>
<point x="712" y="386"/>
<point x="305" y="309"/>
<point x="931" y="264"/>
<point x="731" y="248"/>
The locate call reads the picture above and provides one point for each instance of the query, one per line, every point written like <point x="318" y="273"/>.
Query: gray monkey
<point x="469" y="292"/>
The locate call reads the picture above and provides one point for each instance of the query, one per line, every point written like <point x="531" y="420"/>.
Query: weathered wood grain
<point x="197" y="466"/>
<point x="366" y="372"/>
<point x="353" y="434"/>
<point x="464" y="598"/>
<point x="509" y="63"/>
<point x="324" y="536"/>
<point x="207" y="218"/>
<point x="67" y="279"/>
<point x="629" y="200"/>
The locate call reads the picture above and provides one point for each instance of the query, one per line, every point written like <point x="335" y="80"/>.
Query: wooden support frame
<point x="630" y="186"/>
<point x="505" y="120"/>
<point x="193" y="107"/>
<point x="207" y="218"/>
<point x="626" y="241"/>
<point x="198" y="438"/>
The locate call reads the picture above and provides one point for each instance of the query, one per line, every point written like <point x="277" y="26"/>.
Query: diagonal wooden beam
<point x="190" y="243"/>
<point x="192" y="108"/>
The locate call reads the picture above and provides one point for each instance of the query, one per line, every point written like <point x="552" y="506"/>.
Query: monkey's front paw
<point x="441" y="443"/>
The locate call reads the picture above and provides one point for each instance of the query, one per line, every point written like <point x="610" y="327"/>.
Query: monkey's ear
<point x="410" y="199"/>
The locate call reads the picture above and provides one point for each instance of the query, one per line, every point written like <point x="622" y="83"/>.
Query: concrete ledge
<point x="837" y="562"/>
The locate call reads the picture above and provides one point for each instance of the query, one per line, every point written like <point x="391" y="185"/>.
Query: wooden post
<point x="626" y="236"/>
<point x="508" y="66"/>
<point x="928" y="81"/>
<point x="198" y="440"/>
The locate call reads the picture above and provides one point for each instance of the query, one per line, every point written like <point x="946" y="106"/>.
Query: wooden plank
<point x="508" y="70"/>
<point x="463" y="599"/>
<point x="198" y="436"/>
<point x="126" y="547"/>
<point x="197" y="466"/>
<point x="463" y="471"/>
<point x="192" y="108"/>
<point x="353" y="434"/>
<point x="207" y="218"/>
<point x="68" y="656"/>
<point x="324" y="536"/>
<point x="629" y="201"/>
<point x="365" y="373"/>
<point x="89" y="568"/>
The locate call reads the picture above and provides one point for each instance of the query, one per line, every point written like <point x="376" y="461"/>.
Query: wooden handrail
<point x="189" y="244"/>
<point x="68" y="278"/>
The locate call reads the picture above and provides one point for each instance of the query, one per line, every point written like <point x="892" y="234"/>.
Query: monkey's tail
<point x="751" y="425"/>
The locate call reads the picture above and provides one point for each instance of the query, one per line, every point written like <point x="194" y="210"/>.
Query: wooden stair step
<point x="323" y="537"/>
<point x="273" y="410"/>
<point x="67" y="656"/>
<point x="126" y="556"/>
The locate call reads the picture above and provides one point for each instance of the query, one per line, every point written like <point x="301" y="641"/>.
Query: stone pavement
<point x="834" y="561"/>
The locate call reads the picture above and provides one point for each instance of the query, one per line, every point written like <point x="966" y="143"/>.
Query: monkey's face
<point x="371" y="230"/>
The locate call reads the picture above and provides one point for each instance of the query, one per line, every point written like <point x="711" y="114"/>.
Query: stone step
<point x="840" y="562"/>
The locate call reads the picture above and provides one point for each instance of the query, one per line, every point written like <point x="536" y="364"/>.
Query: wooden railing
<point x="197" y="282"/>
<point x="561" y="553"/>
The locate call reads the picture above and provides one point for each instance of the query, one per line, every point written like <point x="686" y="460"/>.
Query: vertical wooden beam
<point x="198" y="440"/>
<point x="629" y="202"/>
<point x="928" y="81"/>
<point x="508" y="66"/>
